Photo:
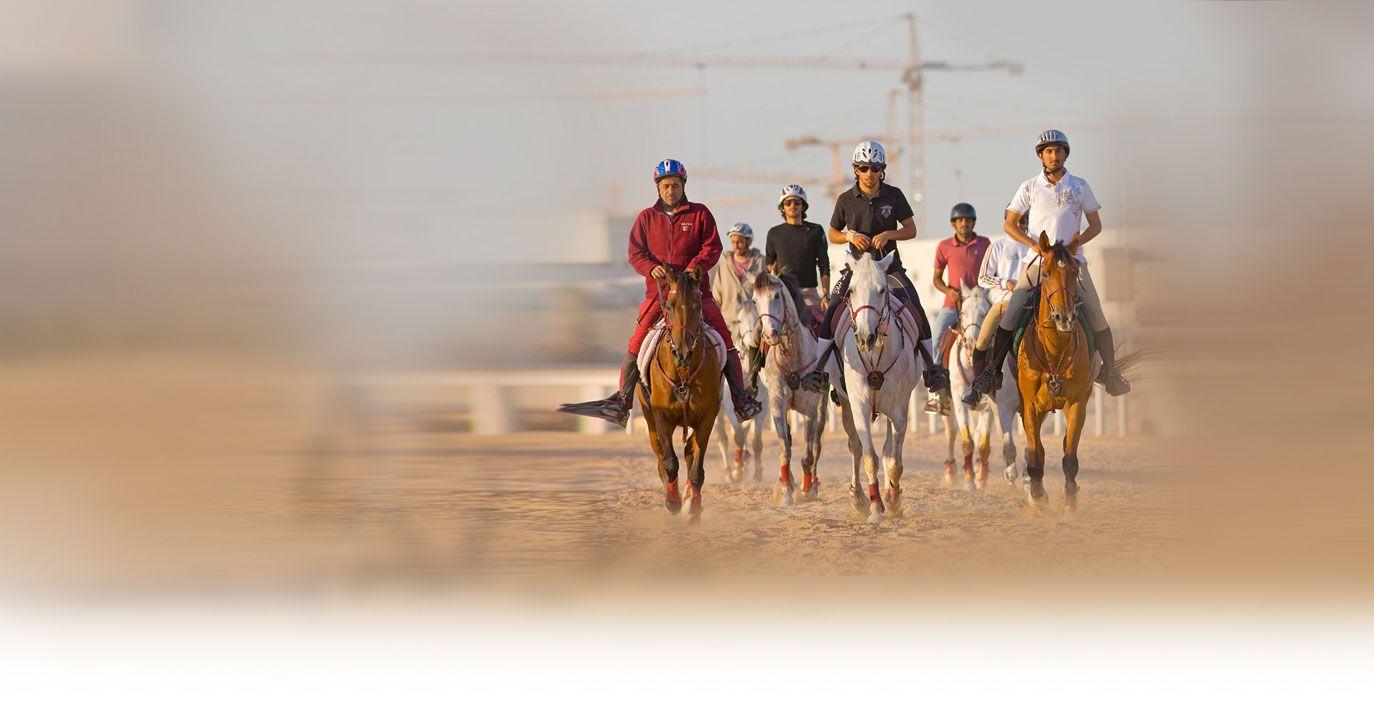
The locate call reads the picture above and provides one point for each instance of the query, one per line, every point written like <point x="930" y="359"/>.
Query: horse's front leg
<point x="892" y="457"/>
<point x="951" y="425"/>
<point x="856" y="451"/>
<point x="1032" y="418"/>
<point x="723" y="441"/>
<point x="777" y="411"/>
<point x="695" y="450"/>
<point x="660" y="438"/>
<point x="983" y="436"/>
<point x="1006" y="418"/>
<point x="872" y="464"/>
<point x="1075" y="414"/>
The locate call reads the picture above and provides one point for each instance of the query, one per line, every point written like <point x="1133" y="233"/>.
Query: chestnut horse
<point x="1055" y="371"/>
<point x="682" y="388"/>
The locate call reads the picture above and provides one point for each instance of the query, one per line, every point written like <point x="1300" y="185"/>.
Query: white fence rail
<point x="493" y="396"/>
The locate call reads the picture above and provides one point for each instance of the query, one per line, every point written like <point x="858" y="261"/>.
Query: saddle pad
<point x="650" y="347"/>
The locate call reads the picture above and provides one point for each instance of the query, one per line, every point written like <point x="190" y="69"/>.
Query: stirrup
<point x="985" y="383"/>
<point x="937" y="379"/>
<point x="1116" y="385"/>
<point x="747" y="408"/>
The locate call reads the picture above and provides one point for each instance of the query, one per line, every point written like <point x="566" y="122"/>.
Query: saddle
<point x="656" y="335"/>
<point x="946" y="347"/>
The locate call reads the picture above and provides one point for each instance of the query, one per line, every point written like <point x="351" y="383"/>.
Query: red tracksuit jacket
<point x="683" y="240"/>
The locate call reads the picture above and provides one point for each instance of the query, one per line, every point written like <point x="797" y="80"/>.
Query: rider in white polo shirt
<point x="1056" y="203"/>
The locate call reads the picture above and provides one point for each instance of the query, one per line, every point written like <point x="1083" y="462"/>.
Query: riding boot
<point x="1111" y="377"/>
<point x="990" y="378"/>
<point x="757" y="359"/>
<point x="980" y="360"/>
<point x="746" y="406"/>
<point x="935" y="376"/>
<point x="616" y="407"/>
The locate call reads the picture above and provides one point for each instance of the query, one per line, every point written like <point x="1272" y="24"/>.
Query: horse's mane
<point x="768" y="280"/>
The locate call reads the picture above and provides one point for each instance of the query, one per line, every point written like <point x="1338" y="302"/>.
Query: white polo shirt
<point x="1001" y="263"/>
<point x="1055" y="208"/>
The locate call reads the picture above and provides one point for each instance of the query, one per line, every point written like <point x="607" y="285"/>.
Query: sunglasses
<point x="792" y="202"/>
<point x="869" y="168"/>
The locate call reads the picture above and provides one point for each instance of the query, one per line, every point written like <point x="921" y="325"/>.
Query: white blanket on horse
<point x="650" y="347"/>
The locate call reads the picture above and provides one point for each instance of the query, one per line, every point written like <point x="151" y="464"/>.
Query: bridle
<point x="1059" y="364"/>
<point x="790" y="325"/>
<point x="682" y="385"/>
<point x="885" y="316"/>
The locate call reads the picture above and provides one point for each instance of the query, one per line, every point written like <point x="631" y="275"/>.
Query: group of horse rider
<point x="675" y="234"/>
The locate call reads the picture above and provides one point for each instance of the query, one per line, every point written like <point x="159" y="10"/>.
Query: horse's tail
<point x="1129" y="363"/>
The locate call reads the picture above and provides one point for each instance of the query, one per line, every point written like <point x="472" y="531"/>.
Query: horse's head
<point x="747" y="317"/>
<point x="974" y="305"/>
<point x="774" y="308"/>
<point x="868" y="299"/>
<point x="1058" y="283"/>
<point x="681" y="300"/>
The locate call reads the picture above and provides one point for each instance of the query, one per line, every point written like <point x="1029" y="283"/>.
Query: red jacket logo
<point x="686" y="226"/>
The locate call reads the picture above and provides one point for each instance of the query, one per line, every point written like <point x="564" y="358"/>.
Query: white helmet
<point x="870" y="152"/>
<point x="741" y="229"/>
<point x="793" y="191"/>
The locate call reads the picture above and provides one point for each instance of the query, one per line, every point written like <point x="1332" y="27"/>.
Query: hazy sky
<point x="350" y="105"/>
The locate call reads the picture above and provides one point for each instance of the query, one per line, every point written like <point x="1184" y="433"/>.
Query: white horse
<point x="731" y="433"/>
<point x="974" y="423"/>
<point x="880" y="370"/>
<point x="793" y="351"/>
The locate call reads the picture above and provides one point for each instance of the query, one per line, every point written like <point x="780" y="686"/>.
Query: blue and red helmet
<point x="668" y="168"/>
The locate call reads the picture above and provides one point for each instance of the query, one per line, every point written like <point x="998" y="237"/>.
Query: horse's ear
<point x="696" y="273"/>
<point x="761" y="280"/>
<point x="852" y="255"/>
<point x="885" y="262"/>
<point x="1044" y="242"/>
<point x="964" y="287"/>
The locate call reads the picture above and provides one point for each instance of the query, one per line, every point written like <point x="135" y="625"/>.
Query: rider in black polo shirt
<point x="796" y="252"/>
<point x="871" y="217"/>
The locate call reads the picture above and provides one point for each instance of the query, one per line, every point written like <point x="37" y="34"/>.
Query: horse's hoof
<point x="1070" y="508"/>
<point x="875" y="513"/>
<point x="860" y="500"/>
<point x="784" y="495"/>
<point x="694" y="511"/>
<point x="672" y="499"/>
<point x="1011" y="473"/>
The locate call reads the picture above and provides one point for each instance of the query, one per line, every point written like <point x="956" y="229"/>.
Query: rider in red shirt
<point x="678" y="234"/>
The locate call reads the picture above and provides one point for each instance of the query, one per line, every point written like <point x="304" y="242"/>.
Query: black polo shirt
<point x="856" y="212"/>
<point x="801" y="248"/>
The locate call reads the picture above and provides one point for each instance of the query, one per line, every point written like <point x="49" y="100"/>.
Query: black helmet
<point x="962" y="210"/>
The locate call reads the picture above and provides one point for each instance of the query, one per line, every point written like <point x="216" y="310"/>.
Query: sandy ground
<point x="201" y="480"/>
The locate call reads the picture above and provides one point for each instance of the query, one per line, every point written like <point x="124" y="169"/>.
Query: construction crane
<point x="912" y="78"/>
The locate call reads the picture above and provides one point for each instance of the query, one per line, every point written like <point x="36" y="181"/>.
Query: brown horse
<point x="1055" y="371"/>
<point x="681" y="388"/>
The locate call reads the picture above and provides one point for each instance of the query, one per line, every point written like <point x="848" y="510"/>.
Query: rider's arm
<point x="710" y="248"/>
<point x="906" y="232"/>
<point x="1093" y="229"/>
<point x="770" y="253"/>
<point x="1013" y="228"/>
<point x="641" y="259"/>
<point x="939" y="278"/>
<point x="822" y="263"/>
<point x="987" y="272"/>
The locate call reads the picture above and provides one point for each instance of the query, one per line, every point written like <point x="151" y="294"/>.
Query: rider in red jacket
<point x="678" y="234"/>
